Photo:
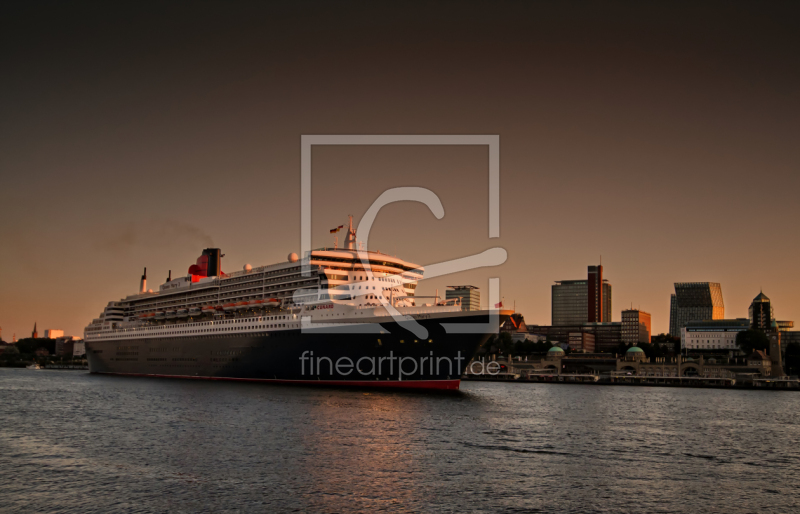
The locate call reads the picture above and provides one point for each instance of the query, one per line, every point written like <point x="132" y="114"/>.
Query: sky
<point x="660" y="136"/>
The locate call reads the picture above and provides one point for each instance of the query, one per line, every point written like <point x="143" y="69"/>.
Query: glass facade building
<point x="570" y="302"/>
<point x="695" y="301"/>
<point x="571" y="306"/>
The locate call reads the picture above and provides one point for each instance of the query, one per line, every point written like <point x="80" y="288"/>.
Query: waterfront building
<point x="713" y="334"/>
<point x="635" y="363"/>
<point x="65" y="345"/>
<point x="788" y="338"/>
<point x="635" y="353"/>
<point x="673" y="312"/>
<point x="582" y="301"/>
<point x="759" y="359"/>
<point x="569" y="302"/>
<point x="79" y="349"/>
<point x="695" y="301"/>
<point x="607" y="336"/>
<point x="581" y="342"/>
<point x="636" y="326"/>
<point x="50" y="333"/>
<point x="775" y="353"/>
<point x="595" y="298"/>
<point x="761" y="313"/>
<point x="514" y="324"/>
<point x="762" y="317"/>
<point x="470" y="297"/>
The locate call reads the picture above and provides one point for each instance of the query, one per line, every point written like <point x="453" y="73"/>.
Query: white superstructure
<point x="355" y="282"/>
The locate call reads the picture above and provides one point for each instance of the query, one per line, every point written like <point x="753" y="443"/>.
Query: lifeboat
<point x="257" y="304"/>
<point x="172" y="314"/>
<point x="228" y="307"/>
<point x="160" y="315"/>
<point x="209" y="309"/>
<point x="242" y="305"/>
<point x="272" y="303"/>
<point x="183" y="313"/>
<point x="194" y="311"/>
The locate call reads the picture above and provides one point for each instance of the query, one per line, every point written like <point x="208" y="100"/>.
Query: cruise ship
<point x="338" y="316"/>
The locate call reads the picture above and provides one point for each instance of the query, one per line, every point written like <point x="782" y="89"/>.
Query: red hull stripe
<point x="401" y="384"/>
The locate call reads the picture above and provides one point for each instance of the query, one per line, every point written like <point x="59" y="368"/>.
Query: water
<point x="74" y="442"/>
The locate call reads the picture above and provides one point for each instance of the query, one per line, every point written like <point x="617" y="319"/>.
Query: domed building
<point x="556" y="351"/>
<point x="635" y="353"/>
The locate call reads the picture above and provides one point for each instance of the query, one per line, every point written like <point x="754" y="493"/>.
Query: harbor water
<point x="75" y="442"/>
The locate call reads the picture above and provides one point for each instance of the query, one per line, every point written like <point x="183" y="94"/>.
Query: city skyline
<point x="634" y="141"/>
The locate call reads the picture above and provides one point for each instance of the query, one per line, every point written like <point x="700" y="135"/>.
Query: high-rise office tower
<point x="582" y="301"/>
<point x="761" y="313"/>
<point x="595" y="292"/>
<point x="695" y="301"/>
<point x="470" y="297"/>
<point x="635" y="326"/>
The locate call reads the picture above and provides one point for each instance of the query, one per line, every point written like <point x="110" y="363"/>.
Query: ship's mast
<point x="350" y="241"/>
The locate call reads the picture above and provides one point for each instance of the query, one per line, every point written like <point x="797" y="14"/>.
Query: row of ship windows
<point x="165" y="349"/>
<point x="199" y="301"/>
<point x="283" y="285"/>
<point x="201" y="331"/>
<point x="210" y="295"/>
<point x="222" y="322"/>
<point x="156" y="359"/>
<point x="281" y="335"/>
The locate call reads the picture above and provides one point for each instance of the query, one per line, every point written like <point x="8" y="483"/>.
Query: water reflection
<point x="111" y="443"/>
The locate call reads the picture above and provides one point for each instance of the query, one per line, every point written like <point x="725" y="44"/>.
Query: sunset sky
<point x="662" y="136"/>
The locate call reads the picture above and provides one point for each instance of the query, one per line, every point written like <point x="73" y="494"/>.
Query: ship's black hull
<point x="395" y="358"/>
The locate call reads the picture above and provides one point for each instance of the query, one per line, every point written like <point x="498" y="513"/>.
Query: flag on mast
<point x="337" y="229"/>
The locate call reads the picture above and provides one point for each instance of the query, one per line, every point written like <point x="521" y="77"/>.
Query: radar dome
<point x="293" y="257"/>
<point x="247" y="268"/>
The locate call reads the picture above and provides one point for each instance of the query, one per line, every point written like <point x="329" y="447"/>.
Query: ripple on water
<point x="73" y="442"/>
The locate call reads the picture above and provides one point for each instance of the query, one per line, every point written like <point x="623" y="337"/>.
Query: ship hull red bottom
<point x="441" y="385"/>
